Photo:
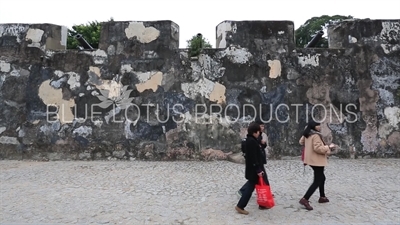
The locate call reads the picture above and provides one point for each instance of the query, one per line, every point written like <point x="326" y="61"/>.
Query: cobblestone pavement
<point x="120" y="192"/>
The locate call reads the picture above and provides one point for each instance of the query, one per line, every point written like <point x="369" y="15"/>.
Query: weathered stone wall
<point x="140" y="96"/>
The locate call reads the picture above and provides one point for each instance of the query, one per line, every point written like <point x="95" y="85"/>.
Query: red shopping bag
<point x="303" y="155"/>
<point x="264" y="194"/>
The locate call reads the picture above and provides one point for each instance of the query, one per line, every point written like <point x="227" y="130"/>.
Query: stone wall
<point x="141" y="97"/>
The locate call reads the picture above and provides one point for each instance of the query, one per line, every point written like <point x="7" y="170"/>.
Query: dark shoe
<point x="262" y="207"/>
<point x="305" y="203"/>
<point x="241" y="211"/>
<point x="323" y="200"/>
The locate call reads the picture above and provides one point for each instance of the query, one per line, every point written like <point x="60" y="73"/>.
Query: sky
<point x="201" y="16"/>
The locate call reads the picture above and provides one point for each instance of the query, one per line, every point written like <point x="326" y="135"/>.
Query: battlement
<point x="382" y="34"/>
<point x="126" y="36"/>
<point x="43" y="36"/>
<point x="272" y="37"/>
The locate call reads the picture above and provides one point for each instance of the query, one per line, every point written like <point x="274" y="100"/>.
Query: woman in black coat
<point x="254" y="166"/>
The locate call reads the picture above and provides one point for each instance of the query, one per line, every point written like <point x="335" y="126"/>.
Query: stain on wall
<point x="5" y="67"/>
<point x="149" y="80"/>
<point x="112" y="87"/>
<point x="368" y="102"/>
<point x="54" y="97"/>
<point x="205" y="88"/>
<point x="34" y="36"/>
<point x="393" y="116"/>
<point x="275" y="68"/>
<point x="224" y="31"/>
<point x="390" y="36"/>
<point x="142" y="33"/>
<point x="312" y="60"/>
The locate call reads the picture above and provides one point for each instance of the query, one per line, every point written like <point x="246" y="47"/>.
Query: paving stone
<point x="364" y="191"/>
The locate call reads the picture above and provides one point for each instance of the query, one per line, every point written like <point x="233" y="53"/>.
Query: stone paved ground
<point x="361" y="192"/>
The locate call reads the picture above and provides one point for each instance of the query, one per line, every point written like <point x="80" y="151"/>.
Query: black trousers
<point x="243" y="188"/>
<point x="319" y="182"/>
<point x="247" y="190"/>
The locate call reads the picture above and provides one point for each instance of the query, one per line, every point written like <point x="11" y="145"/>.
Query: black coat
<point x="254" y="162"/>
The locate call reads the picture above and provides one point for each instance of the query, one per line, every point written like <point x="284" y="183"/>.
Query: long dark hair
<point x="311" y="126"/>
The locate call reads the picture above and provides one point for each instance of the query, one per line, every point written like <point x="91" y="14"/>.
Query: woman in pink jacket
<point x="316" y="153"/>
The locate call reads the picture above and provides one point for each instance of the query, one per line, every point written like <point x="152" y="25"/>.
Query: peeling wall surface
<point x="141" y="97"/>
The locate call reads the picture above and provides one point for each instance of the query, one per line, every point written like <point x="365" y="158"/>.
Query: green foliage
<point x="196" y="44"/>
<point x="90" y="31"/>
<point x="307" y="31"/>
